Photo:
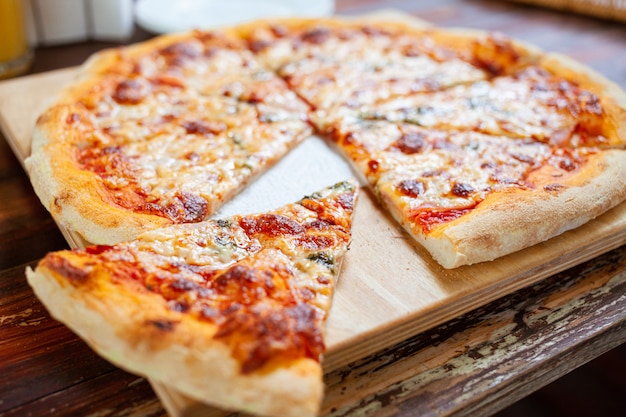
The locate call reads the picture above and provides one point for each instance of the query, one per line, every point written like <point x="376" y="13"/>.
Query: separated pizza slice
<point x="160" y="133"/>
<point x="230" y="312"/>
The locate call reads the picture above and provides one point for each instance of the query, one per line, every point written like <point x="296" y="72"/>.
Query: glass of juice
<point x="15" y="53"/>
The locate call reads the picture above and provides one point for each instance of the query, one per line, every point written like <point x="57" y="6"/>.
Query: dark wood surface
<point x="477" y="364"/>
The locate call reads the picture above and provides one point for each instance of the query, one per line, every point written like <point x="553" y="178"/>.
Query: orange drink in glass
<point x="15" y="53"/>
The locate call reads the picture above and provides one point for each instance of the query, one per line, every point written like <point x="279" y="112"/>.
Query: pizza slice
<point x="531" y="103"/>
<point x="161" y="133"/>
<point x="341" y="64"/>
<point x="230" y="312"/>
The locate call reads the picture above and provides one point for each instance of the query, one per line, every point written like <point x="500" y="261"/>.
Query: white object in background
<point x="111" y="19"/>
<point x="60" y="21"/>
<point x="54" y="22"/>
<point x="165" y="16"/>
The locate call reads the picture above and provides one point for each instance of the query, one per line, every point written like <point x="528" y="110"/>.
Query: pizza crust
<point x="116" y="322"/>
<point x="507" y="222"/>
<point x="68" y="192"/>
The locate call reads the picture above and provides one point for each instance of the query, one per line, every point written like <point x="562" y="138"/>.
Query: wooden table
<point x="475" y="364"/>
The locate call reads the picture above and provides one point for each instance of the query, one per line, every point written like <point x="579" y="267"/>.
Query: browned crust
<point x="509" y="221"/>
<point x="612" y="97"/>
<point x="136" y="331"/>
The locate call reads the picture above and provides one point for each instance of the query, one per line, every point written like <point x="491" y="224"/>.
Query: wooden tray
<point x="390" y="288"/>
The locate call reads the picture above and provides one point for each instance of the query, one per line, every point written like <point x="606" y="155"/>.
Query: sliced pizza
<point x="230" y="312"/>
<point x="161" y="133"/>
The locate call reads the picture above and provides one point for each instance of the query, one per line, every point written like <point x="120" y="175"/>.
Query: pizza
<point x="478" y="145"/>
<point x="229" y="311"/>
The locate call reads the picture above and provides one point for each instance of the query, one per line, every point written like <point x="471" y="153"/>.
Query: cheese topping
<point x="457" y="170"/>
<point x="531" y="104"/>
<point x="435" y="121"/>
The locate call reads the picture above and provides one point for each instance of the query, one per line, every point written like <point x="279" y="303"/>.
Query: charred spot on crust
<point x="58" y="202"/>
<point x="554" y="187"/>
<point x="163" y="325"/>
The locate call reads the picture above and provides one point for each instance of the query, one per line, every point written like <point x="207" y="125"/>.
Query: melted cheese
<point x="187" y="125"/>
<point x="533" y="106"/>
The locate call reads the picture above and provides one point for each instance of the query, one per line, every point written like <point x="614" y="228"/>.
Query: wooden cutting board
<point x="390" y="288"/>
